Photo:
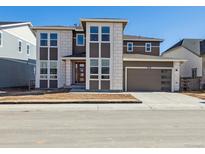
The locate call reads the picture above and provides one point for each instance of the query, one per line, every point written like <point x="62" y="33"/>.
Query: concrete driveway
<point x="169" y="101"/>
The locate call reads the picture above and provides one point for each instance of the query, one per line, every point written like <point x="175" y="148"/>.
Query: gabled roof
<point x="140" y="38"/>
<point x="13" y="23"/>
<point x="196" y="46"/>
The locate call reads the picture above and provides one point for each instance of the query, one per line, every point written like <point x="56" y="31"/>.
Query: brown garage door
<point x="148" y="80"/>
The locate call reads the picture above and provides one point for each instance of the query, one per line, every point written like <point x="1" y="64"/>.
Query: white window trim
<point x="95" y="33"/>
<point x="44" y="39"/>
<point x="27" y="44"/>
<point x="21" y="46"/>
<point x="101" y="70"/>
<point x="76" y="40"/>
<point x="104" y="34"/>
<point x="128" y="46"/>
<point x="146" y="44"/>
<point x="1" y="45"/>
<point x="49" y="39"/>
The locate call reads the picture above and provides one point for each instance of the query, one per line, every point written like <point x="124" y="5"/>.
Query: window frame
<point x="44" y="76"/>
<point x="94" y="34"/>
<point x="105" y="33"/>
<point x="20" y="46"/>
<point x="108" y="66"/>
<point x="194" y="73"/>
<point x="44" y="39"/>
<point x="146" y="44"/>
<point x="53" y="76"/>
<point x="1" y="40"/>
<point x="49" y="38"/>
<point x="96" y="74"/>
<point x="76" y="40"/>
<point x="28" y="45"/>
<point x="129" y="51"/>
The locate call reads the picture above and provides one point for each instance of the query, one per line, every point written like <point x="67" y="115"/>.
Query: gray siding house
<point x="192" y="72"/>
<point x="98" y="56"/>
<point x="17" y="54"/>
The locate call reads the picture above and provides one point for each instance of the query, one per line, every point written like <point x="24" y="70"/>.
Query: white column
<point x="68" y="72"/>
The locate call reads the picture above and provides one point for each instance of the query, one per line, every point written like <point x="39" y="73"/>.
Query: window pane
<point x="105" y="62"/>
<point x="94" y="76"/>
<point x="43" y="71"/>
<point x="80" y="39"/>
<point x="93" y="37"/>
<point x="53" y="43"/>
<point x="105" y="76"/>
<point x="94" y="29"/>
<point x="105" y="37"/>
<point x="44" y="42"/>
<point x="53" y="64"/>
<point x="94" y="70"/>
<point x="105" y="70"/>
<point x="105" y="29"/>
<point x="93" y="62"/>
<point x="43" y="64"/>
<point x="53" y="36"/>
<point x="44" y="36"/>
<point x="53" y="71"/>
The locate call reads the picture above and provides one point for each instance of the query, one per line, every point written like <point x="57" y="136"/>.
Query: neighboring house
<point x="98" y="56"/>
<point x="17" y="54"/>
<point x="193" y="70"/>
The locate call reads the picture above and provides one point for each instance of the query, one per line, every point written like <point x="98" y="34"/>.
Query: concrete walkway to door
<point x="169" y="101"/>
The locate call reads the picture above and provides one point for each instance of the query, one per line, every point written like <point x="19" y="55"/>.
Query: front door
<point x="80" y="72"/>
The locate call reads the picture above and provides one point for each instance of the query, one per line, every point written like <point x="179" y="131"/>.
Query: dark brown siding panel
<point x="105" y="50"/>
<point x="53" y="83"/>
<point x="43" y="84"/>
<point x="94" y="49"/>
<point x="53" y="53"/>
<point x="141" y="48"/>
<point x="105" y="85"/>
<point x="43" y="53"/>
<point x="94" y="85"/>
<point x="78" y="49"/>
<point x="147" y="64"/>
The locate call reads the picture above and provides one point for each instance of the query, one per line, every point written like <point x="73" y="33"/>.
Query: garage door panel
<point x="148" y="80"/>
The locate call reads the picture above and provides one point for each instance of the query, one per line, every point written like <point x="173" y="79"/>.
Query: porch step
<point x="77" y="88"/>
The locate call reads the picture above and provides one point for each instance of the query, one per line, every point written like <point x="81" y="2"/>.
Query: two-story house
<point x="98" y="56"/>
<point x="17" y="54"/>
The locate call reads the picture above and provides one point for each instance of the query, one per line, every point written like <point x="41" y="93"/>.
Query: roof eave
<point x="17" y="24"/>
<point x="153" y="40"/>
<point x="161" y="60"/>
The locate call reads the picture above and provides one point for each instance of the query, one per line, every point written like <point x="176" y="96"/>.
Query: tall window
<point x="94" y="68"/>
<point x="105" y="69"/>
<point x="43" y="39"/>
<point x="148" y="47"/>
<point x="53" y="69"/>
<point x="80" y="40"/>
<point x="194" y="73"/>
<point x="43" y="69"/>
<point x="28" y="49"/>
<point x="53" y="39"/>
<point x="105" y="33"/>
<point x="129" y="46"/>
<point x="1" y="40"/>
<point x="20" y="46"/>
<point x="93" y="33"/>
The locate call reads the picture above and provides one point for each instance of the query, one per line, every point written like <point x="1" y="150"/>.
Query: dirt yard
<point x="69" y="97"/>
<point x="198" y="94"/>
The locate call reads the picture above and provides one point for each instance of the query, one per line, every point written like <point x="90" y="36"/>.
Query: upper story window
<point x="80" y="40"/>
<point x="105" y="33"/>
<point x="20" y="46"/>
<point x="53" y="39"/>
<point x="28" y="49"/>
<point x="1" y="39"/>
<point x="93" y="33"/>
<point x="148" y="47"/>
<point x="129" y="46"/>
<point x="44" y="39"/>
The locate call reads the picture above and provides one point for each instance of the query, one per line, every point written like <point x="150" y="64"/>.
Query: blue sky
<point x="168" y="23"/>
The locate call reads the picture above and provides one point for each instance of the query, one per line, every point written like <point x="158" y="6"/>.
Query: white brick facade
<point x="117" y="62"/>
